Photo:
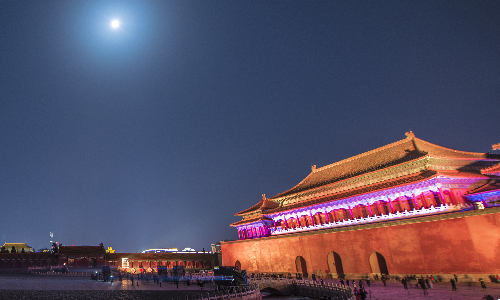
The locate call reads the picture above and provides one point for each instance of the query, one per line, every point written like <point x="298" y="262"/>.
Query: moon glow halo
<point x="115" y="23"/>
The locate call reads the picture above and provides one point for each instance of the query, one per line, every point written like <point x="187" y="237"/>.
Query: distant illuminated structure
<point x="168" y="250"/>
<point x="356" y="209"/>
<point x="17" y="247"/>
<point x="171" y="250"/>
<point x="98" y="256"/>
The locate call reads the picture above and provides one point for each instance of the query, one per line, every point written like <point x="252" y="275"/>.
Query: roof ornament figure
<point x="410" y="134"/>
<point x="264" y="197"/>
<point x="313" y="168"/>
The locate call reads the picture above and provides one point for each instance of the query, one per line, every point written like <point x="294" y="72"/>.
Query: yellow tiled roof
<point x="405" y="150"/>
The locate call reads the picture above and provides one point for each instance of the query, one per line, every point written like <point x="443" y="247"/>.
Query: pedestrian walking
<point x="347" y="281"/>
<point x="453" y="285"/>
<point x="405" y="283"/>
<point x="483" y="285"/>
<point x="367" y="280"/>
<point x="357" y="294"/>
<point x="342" y="282"/>
<point x="424" y="287"/>
<point x="361" y="285"/>
<point x="383" y="280"/>
<point x="456" y="277"/>
<point x="363" y="294"/>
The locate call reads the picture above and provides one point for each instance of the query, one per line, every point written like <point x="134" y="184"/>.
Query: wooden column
<point x="369" y="209"/>
<point x="415" y="201"/>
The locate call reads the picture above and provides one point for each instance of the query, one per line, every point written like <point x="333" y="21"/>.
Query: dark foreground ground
<point x="82" y="287"/>
<point x="95" y="294"/>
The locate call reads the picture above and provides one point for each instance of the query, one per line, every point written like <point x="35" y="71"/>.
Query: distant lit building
<point x="82" y="256"/>
<point x="216" y="248"/>
<point x="92" y="257"/>
<point x="18" y="247"/>
<point x="170" y="250"/>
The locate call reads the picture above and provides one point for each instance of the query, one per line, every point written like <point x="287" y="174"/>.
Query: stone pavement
<point x="440" y="291"/>
<point x="82" y="287"/>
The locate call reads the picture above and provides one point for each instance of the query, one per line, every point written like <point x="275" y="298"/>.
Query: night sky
<point x="156" y="133"/>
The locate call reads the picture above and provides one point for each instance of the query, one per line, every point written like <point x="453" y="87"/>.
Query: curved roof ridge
<point x="263" y="204"/>
<point x="366" y="153"/>
<point x="382" y="157"/>
<point x="426" y="143"/>
<point x="409" y="137"/>
<point x="251" y="209"/>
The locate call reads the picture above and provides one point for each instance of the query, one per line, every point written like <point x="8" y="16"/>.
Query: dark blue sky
<point x="155" y="134"/>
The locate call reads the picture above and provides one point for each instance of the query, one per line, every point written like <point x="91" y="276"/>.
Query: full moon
<point x="115" y="23"/>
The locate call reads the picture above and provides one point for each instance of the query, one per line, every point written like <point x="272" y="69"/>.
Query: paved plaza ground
<point x="82" y="287"/>
<point x="440" y="291"/>
<point x="78" y="287"/>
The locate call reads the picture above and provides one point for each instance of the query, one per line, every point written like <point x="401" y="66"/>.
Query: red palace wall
<point x="456" y="243"/>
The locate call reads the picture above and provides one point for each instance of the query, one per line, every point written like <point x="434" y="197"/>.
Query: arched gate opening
<point x="300" y="264"/>
<point x="378" y="264"/>
<point x="335" y="264"/>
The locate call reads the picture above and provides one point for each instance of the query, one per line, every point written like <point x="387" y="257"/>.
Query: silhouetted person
<point x="483" y="285"/>
<point x="453" y="285"/>
<point x="363" y="294"/>
<point x="424" y="287"/>
<point x="405" y="283"/>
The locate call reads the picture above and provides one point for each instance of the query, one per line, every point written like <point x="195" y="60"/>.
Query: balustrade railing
<point x="312" y="287"/>
<point x="250" y="292"/>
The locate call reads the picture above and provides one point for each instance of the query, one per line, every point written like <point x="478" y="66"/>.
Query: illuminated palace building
<point x="410" y="207"/>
